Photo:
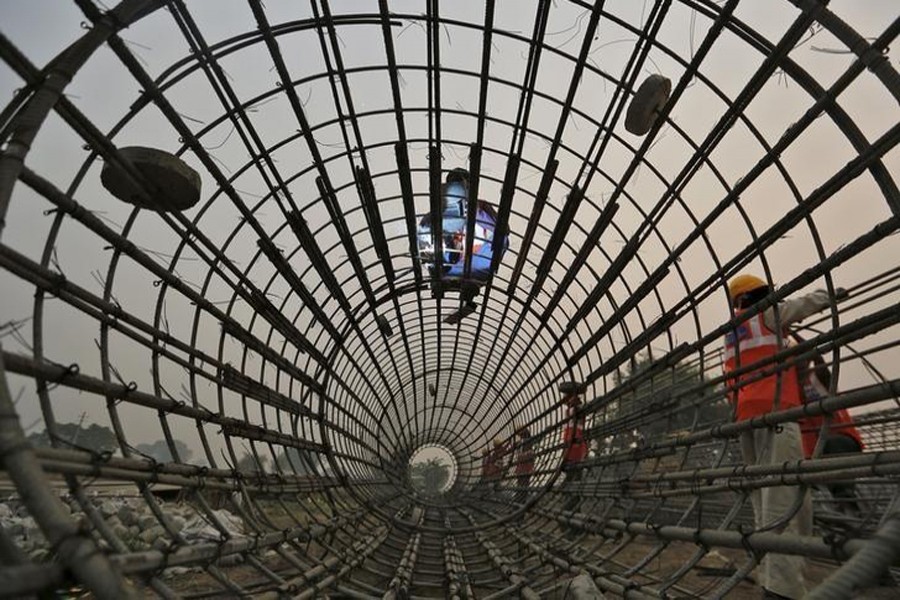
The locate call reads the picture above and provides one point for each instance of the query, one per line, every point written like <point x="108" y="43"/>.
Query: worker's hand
<point x="840" y="294"/>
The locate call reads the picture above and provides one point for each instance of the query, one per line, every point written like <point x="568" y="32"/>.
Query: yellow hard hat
<point x="744" y="283"/>
<point x="498" y="442"/>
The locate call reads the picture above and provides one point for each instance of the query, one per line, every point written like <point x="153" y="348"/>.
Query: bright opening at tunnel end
<point x="432" y="470"/>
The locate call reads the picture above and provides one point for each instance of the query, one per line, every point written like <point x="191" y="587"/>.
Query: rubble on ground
<point x="131" y="520"/>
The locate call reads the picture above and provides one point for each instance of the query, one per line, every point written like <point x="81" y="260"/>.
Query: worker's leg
<point x="573" y="498"/>
<point x="840" y="444"/>
<point x="522" y="482"/>
<point x="748" y="452"/>
<point x="844" y="493"/>
<point x="783" y="573"/>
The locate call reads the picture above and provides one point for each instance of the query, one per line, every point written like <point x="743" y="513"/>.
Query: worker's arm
<point x="821" y="370"/>
<point x="797" y="309"/>
<point x="731" y="396"/>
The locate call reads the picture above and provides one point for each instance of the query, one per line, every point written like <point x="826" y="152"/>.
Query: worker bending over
<point x="840" y="434"/>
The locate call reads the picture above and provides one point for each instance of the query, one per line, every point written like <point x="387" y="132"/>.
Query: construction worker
<point x="496" y="467"/>
<point x="753" y="340"/>
<point x="485" y="467"/>
<point x="841" y="435"/>
<point x="524" y="463"/>
<point x="575" y="448"/>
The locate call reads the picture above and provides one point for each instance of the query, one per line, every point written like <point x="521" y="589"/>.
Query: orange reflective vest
<point x="752" y="342"/>
<point x="525" y="457"/>
<point x="573" y="437"/>
<point x="495" y="466"/>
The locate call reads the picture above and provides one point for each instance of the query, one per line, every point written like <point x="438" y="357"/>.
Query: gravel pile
<point x="130" y="519"/>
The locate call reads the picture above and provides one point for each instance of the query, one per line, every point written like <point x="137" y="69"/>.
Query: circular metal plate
<point x="646" y="104"/>
<point x="174" y="185"/>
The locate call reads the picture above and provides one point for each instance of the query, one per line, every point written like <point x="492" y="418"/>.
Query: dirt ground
<point x="699" y="582"/>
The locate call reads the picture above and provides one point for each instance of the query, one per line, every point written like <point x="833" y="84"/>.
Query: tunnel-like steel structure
<point x="286" y="333"/>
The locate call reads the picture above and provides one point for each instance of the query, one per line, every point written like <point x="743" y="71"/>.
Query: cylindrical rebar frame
<point x="287" y="335"/>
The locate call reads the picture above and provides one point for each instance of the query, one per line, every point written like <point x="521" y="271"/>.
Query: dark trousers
<point x="522" y="482"/>
<point x="843" y="492"/>
<point x="573" y="498"/>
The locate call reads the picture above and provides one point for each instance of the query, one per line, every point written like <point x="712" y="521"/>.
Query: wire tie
<point x="700" y="542"/>
<point x="72" y="369"/>
<point x="746" y="531"/>
<point x="874" y="464"/>
<point x="836" y="542"/>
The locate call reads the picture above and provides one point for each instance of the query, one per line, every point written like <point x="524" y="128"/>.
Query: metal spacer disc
<point x="174" y="185"/>
<point x="647" y="103"/>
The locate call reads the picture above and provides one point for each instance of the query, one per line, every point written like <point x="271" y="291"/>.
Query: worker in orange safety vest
<point x="485" y="466"/>
<point x="765" y="387"/>
<point x="575" y="447"/>
<point x="524" y="463"/>
<point x="495" y="469"/>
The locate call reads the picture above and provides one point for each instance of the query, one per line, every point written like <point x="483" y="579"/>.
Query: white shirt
<point x="796" y="309"/>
